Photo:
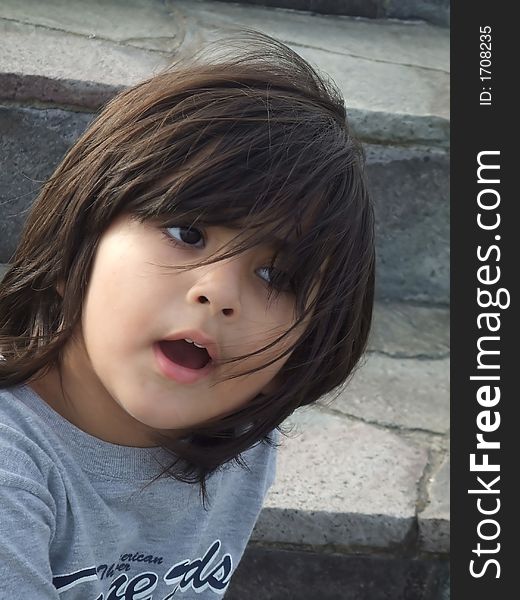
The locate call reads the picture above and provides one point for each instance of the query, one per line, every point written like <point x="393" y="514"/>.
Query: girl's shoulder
<point x="260" y="465"/>
<point x="15" y="412"/>
<point x="25" y="447"/>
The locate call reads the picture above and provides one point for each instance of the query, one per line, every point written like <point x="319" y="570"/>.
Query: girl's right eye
<point x="188" y="236"/>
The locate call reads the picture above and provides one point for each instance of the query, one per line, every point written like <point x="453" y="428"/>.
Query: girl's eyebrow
<point x="269" y="237"/>
<point x="278" y="242"/>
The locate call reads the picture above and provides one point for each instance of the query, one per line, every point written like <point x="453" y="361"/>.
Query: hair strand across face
<point x="255" y="140"/>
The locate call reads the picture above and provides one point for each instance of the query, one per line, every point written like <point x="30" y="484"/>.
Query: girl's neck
<point x="82" y="412"/>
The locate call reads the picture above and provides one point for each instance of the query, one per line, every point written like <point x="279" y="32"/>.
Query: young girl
<point x="200" y="265"/>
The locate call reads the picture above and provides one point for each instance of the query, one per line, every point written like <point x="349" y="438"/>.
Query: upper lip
<point x="198" y="337"/>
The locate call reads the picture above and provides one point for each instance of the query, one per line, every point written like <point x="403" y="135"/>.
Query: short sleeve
<point x="26" y="525"/>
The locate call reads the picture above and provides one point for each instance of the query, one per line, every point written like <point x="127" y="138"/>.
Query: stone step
<point x="361" y="505"/>
<point x="370" y="462"/>
<point x="394" y="76"/>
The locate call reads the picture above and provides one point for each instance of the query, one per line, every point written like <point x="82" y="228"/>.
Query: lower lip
<point x="177" y="373"/>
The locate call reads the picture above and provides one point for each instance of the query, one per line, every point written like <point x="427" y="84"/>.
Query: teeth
<point x="194" y="343"/>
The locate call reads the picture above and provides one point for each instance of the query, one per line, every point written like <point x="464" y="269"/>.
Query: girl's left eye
<point x="275" y="278"/>
<point x="266" y="273"/>
<point x="187" y="236"/>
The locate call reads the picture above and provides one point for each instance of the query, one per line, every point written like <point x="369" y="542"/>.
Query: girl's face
<point x="120" y="384"/>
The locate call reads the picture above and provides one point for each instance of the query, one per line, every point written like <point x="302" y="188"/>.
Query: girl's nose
<point x="218" y="285"/>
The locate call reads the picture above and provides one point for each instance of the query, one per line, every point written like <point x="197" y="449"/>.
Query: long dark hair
<point x="254" y="137"/>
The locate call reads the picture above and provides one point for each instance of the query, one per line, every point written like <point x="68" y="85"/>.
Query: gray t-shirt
<point x="75" y="523"/>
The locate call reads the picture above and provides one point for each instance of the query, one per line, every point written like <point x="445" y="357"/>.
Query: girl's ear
<point x="60" y="287"/>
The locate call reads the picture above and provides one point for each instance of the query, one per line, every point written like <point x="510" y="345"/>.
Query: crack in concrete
<point x="434" y="462"/>
<point x="379" y="425"/>
<point x="410" y="543"/>
<point x="349" y="54"/>
<point x="93" y="36"/>
<point x="367" y="58"/>
<point x="144" y="39"/>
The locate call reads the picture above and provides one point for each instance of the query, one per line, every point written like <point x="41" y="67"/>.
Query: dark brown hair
<point x="255" y="137"/>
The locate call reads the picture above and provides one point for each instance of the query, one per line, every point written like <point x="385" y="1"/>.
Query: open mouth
<point x="185" y="354"/>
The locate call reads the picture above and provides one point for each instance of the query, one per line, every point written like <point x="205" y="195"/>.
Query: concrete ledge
<point x="338" y="484"/>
